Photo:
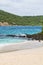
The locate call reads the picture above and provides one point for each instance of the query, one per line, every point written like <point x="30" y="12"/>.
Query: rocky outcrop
<point x="35" y="36"/>
<point x="4" y="24"/>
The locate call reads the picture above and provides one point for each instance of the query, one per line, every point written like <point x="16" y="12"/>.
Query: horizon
<point x="22" y="7"/>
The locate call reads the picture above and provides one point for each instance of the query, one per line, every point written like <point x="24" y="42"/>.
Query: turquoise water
<point x="16" y="30"/>
<point x="11" y="40"/>
<point x="20" y="29"/>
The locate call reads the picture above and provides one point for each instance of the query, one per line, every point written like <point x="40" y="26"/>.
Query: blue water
<point x="16" y="30"/>
<point x="20" y="29"/>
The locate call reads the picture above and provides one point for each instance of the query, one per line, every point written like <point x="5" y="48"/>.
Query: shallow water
<point x="11" y="40"/>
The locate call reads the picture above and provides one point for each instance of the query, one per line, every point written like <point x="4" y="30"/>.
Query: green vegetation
<point x="42" y="30"/>
<point x="20" y="20"/>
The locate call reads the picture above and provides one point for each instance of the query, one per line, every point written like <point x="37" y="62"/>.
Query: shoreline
<point x="20" y="46"/>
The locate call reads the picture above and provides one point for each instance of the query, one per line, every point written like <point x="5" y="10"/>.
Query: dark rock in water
<point x="22" y="35"/>
<point x="35" y="36"/>
<point x="11" y="35"/>
<point x="38" y="36"/>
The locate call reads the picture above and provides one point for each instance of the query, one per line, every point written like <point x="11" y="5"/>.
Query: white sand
<point x="23" y="57"/>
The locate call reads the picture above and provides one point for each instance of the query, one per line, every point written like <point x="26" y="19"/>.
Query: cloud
<point x="22" y="7"/>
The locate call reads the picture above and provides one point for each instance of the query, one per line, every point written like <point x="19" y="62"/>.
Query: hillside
<point x="12" y="19"/>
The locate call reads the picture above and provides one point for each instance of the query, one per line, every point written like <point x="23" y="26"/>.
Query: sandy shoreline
<point x="23" y="57"/>
<point x="20" y="46"/>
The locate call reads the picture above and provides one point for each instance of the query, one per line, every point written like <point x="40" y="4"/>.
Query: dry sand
<point x="23" y="57"/>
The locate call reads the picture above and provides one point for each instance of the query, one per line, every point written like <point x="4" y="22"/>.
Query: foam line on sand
<point x="20" y="46"/>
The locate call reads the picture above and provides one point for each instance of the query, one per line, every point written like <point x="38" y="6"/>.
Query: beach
<point x="32" y="56"/>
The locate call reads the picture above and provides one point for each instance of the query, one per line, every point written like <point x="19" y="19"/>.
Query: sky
<point x="22" y="7"/>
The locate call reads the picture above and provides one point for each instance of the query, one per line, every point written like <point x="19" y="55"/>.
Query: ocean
<point x="17" y="30"/>
<point x="20" y="30"/>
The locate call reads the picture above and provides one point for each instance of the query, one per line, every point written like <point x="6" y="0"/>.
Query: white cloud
<point x="23" y="7"/>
